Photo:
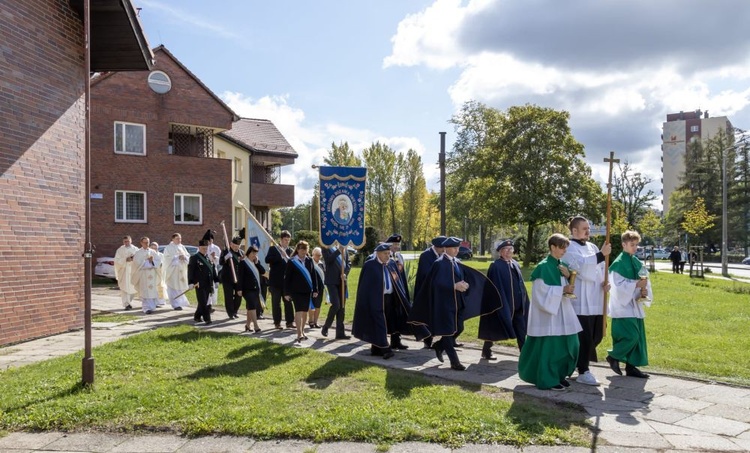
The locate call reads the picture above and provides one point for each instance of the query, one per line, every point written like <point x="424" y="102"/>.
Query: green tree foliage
<point x="739" y="200"/>
<point x="342" y="156"/>
<point x="680" y="201"/>
<point x="628" y="188"/>
<point x="651" y="227"/>
<point x="381" y="162"/>
<point x="698" y="219"/>
<point x="413" y="199"/>
<point x="518" y="166"/>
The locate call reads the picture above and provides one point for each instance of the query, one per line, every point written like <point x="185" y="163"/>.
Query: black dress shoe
<point x="457" y="367"/>
<point x="324" y="331"/>
<point x="148" y="312"/>
<point x="488" y="356"/>
<point x="427" y="343"/>
<point x="458" y="345"/>
<point x="128" y="307"/>
<point x="208" y="323"/>
<point x="343" y="337"/>
<point x="290" y="325"/>
<point x="178" y="308"/>
<point x="387" y="354"/>
<point x="376" y="351"/>
<point x="439" y="353"/>
<point x="565" y="383"/>
<point x="635" y="372"/>
<point x="400" y="346"/>
<point x="615" y="365"/>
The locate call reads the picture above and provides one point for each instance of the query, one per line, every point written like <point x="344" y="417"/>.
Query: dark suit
<point x="297" y="286"/>
<point x="277" y="267"/>
<point x="249" y="285"/>
<point x="333" y="261"/>
<point x="232" y="301"/>
<point x="202" y="273"/>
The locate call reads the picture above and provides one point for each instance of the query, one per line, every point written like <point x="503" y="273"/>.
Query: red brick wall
<point x="127" y="97"/>
<point x="41" y="169"/>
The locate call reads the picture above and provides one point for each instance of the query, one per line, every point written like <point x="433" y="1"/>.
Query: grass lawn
<point x="198" y="383"/>
<point x="695" y="327"/>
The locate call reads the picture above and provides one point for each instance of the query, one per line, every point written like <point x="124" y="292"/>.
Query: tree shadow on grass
<point x="534" y="416"/>
<point x="248" y="359"/>
<point x="74" y="389"/>
<point x="398" y="383"/>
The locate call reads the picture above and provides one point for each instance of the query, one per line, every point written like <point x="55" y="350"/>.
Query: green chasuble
<point x="548" y="271"/>
<point x="626" y="265"/>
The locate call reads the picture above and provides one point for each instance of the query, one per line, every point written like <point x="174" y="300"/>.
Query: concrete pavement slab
<point x="155" y="443"/>
<point x="88" y="442"/>
<point x="217" y="444"/>
<point x="640" y="440"/>
<point x="31" y="441"/>
<point x="715" y="425"/>
<point x="289" y="446"/>
<point x="710" y="443"/>
<point x="674" y="402"/>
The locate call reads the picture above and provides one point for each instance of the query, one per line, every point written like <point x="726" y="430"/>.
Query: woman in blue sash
<point x="301" y="284"/>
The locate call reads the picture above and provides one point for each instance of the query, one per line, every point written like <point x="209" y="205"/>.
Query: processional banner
<point x="342" y="206"/>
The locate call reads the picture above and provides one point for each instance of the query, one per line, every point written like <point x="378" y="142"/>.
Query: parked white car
<point x="105" y="266"/>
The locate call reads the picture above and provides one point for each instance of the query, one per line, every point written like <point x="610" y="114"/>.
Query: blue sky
<point x="396" y="70"/>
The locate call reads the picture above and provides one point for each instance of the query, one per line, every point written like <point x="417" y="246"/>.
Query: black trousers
<point x="519" y="327"/>
<point x="276" y="299"/>
<point x="203" y="311"/>
<point x="232" y="302"/>
<point x="589" y="337"/>
<point x="676" y="267"/>
<point x="336" y="310"/>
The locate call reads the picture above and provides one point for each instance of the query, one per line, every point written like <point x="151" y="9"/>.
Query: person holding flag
<point x="336" y="264"/>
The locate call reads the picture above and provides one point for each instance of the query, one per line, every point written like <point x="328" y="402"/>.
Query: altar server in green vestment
<point x="550" y="352"/>
<point x="631" y="290"/>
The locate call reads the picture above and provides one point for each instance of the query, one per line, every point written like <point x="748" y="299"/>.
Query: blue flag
<point x="342" y="206"/>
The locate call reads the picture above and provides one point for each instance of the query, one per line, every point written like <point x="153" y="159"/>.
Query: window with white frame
<point x="130" y="138"/>
<point x="695" y="128"/>
<point x="130" y="206"/>
<point x="238" y="218"/>
<point x="188" y="208"/>
<point x="237" y="169"/>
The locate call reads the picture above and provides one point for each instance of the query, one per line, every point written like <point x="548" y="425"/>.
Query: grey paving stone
<point x="742" y="443"/>
<point x="86" y="442"/>
<point x="739" y="414"/>
<point x="714" y="425"/>
<point x="150" y="444"/>
<point x="483" y="448"/>
<point x="287" y="446"/>
<point x="664" y="415"/>
<point x="625" y="423"/>
<point x="710" y="443"/>
<point x="640" y="440"/>
<point x="344" y="447"/>
<point x="28" y="440"/>
<point x="217" y="444"/>
<point x="674" y="402"/>
<point x="418" y="447"/>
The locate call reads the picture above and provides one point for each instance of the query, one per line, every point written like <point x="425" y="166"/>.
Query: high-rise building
<point x="678" y="132"/>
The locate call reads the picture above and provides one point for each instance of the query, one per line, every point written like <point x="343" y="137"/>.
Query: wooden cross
<point x="608" y="226"/>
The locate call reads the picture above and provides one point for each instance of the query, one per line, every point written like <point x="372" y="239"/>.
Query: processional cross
<point x="611" y="161"/>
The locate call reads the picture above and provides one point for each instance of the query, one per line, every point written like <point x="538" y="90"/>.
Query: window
<point x="695" y="128"/>
<point x="237" y="169"/>
<point x="187" y="208"/>
<point x="238" y="218"/>
<point x="130" y="206"/>
<point x="130" y="138"/>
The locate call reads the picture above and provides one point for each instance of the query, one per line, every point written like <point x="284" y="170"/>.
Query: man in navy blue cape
<point x="381" y="308"/>
<point x="505" y="274"/>
<point x="426" y="259"/>
<point x="451" y="294"/>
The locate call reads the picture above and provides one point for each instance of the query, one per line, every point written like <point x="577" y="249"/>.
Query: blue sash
<point x="298" y="263"/>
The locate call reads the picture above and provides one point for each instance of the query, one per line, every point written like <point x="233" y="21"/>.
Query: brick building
<point x="42" y="153"/>
<point x="153" y="170"/>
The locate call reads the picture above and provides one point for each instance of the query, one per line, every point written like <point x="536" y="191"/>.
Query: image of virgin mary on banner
<point x="342" y="206"/>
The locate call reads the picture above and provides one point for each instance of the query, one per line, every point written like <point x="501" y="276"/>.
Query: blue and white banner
<point x="259" y="237"/>
<point x="342" y="206"/>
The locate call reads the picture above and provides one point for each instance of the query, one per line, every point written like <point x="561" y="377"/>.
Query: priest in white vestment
<point x="146" y="276"/>
<point x="162" y="285"/>
<point x="124" y="269"/>
<point x="175" y="264"/>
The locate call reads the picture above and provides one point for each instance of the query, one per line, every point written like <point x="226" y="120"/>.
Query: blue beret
<point x="438" y="241"/>
<point x="505" y="243"/>
<point x="383" y="246"/>
<point x="451" y="242"/>
<point x="395" y="237"/>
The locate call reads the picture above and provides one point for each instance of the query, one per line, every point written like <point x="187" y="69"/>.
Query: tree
<point x="380" y="161"/>
<point x="697" y="219"/>
<point x="522" y="166"/>
<point x="651" y="227"/>
<point x="739" y="199"/>
<point x="414" y="196"/>
<point x="342" y="156"/>
<point x="628" y="188"/>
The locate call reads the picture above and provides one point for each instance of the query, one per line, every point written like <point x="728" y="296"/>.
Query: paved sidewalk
<point x="659" y="414"/>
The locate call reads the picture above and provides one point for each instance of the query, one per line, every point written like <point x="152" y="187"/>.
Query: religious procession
<point x="575" y="290"/>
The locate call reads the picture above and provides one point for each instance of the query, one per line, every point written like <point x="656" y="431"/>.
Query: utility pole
<point x="442" y="183"/>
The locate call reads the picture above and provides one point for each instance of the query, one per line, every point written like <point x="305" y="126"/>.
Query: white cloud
<point x="311" y="141"/>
